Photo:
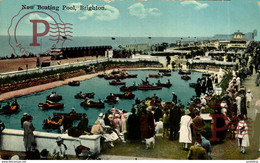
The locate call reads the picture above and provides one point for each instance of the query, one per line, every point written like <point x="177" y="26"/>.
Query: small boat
<point x="181" y="72"/>
<point x="83" y="96"/>
<point x="113" y="77"/>
<point x="71" y="115"/>
<point x="50" y="105"/>
<point x="130" y="75"/>
<point x="128" y="95"/>
<point x="192" y="85"/>
<point x="206" y="74"/>
<point x="115" y="72"/>
<point x="54" y="98"/>
<point x="167" y="85"/>
<point x="74" y="83"/>
<point x="101" y="75"/>
<point x="164" y="70"/>
<point x="92" y="104"/>
<point x="185" y="77"/>
<point x="148" y="87"/>
<point x="166" y="74"/>
<point x="10" y="109"/>
<point x="53" y="126"/>
<point x="131" y="88"/>
<point x="155" y="75"/>
<point x="111" y="99"/>
<point x="116" y="83"/>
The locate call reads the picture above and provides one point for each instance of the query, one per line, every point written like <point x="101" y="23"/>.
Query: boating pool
<point x="101" y="88"/>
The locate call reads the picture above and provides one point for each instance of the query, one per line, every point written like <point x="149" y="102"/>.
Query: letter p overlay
<point x="36" y="34"/>
<point x="215" y="128"/>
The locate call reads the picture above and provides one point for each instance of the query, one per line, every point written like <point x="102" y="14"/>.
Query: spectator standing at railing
<point x="2" y="127"/>
<point x="28" y="133"/>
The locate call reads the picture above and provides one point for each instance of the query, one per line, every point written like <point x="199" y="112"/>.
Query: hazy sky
<point x="153" y="18"/>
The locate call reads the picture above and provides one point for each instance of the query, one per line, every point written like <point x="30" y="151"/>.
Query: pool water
<point x="102" y="89"/>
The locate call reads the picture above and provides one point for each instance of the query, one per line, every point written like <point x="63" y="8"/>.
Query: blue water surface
<point x="102" y="89"/>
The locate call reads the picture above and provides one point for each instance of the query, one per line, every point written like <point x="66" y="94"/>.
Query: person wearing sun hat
<point x="23" y="119"/>
<point x="59" y="151"/>
<point x="185" y="130"/>
<point x="174" y="98"/>
<point x="100" y="119"/>
<point x="117" y="123"/>
<point x="242" y="134"/>
<point x="28" y="133"/>
<point x="249" y="98"/>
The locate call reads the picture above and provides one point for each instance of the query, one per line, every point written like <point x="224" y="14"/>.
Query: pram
<point x="112" y="135"/>
<point x="83" y="151"/>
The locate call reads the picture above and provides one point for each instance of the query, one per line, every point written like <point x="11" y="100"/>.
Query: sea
<point x="85" y="41"/>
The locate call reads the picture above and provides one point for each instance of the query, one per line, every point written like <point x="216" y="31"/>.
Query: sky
<point x="140" y="18"/>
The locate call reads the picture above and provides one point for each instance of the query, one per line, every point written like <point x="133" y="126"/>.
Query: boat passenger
<point x="49" y="102"/>
<point x="73" y="110"/>
<point x="159" y="82"/>
<point x="15" y="102"/>
<point x="80" y="93"/>
<point x="87" y="99"/>
<point x="128" y="93"/>
<point x="168" y="82"/>
<point x="100" y="101"/>
<point x="53" y="94"/>
<point x="50" y="121"/>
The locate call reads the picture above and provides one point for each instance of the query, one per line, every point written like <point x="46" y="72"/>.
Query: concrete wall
<point x="12" y="140"/>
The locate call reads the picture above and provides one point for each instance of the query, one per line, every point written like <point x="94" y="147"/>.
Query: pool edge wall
<point x="12" y="140"/>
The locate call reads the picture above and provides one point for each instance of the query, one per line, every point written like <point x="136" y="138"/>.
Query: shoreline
<point x="43" y="87"/>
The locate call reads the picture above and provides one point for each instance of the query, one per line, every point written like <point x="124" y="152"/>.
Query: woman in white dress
<point x="242" y="135"/>
<point x="185" y="130"/>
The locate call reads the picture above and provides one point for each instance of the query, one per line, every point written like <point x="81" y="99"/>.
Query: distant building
<point x="247" y="36"/>
<point x="238" y="42"/>
<point x="238" y="36"/>
<point x="73" y="52"/>
<point x="135" y="47"/>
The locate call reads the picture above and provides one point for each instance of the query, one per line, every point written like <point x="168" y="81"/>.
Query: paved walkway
<point x="114" y="157"/>
<point x="38" y="88"/>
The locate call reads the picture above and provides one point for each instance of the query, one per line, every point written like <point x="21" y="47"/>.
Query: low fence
<point x="77" y="64"/>
<point x="12" y="140"/>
